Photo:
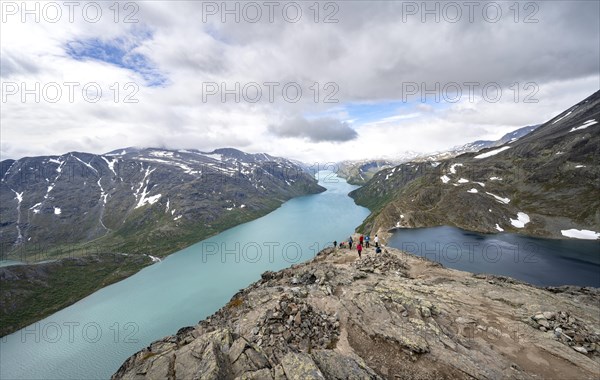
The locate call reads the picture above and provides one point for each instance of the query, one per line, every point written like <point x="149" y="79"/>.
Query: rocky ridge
<point x="389" y="315"/>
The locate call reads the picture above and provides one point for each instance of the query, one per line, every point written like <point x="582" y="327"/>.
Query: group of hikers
<point x="363" y="242"/>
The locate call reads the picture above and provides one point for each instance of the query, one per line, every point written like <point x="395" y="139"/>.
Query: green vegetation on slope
<point x="32" y="292"/>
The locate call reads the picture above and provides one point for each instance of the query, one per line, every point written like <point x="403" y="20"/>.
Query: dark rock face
<point x="541" y="184"/>
<point x="389" y="315"/>
<point x="138" y="200"/>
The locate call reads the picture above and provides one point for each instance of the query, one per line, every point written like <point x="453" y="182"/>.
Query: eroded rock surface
<point x="389" y="315"/>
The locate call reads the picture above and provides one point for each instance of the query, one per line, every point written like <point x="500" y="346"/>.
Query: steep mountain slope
<point x="385" y="316"/>
<point x="139" y="200"/>
<point x="476" y="146"/>
<point x="547" y="184"/>
<point x="360" y="172"/>
<point x="90" y="220"/>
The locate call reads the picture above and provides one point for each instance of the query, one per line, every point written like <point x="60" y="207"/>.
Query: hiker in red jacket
<point x="360" y="239"/>
<point x="359" y="249"/>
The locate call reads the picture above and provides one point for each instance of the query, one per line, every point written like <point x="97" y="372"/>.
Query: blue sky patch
<point x="360" y="113"/>
<point x="119" y="52"/>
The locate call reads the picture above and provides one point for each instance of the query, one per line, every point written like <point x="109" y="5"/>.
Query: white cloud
<point x="315" y="130"/>
<point x="370" y="55"/>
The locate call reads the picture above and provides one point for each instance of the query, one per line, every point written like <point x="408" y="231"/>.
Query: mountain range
<point x="132" y="200"/>
<point x="361" y="171"/>
<point x="89" y="220"/>
<point x="546" y="183"/>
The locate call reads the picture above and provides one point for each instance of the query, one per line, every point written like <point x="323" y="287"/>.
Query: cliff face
<point x="389" y="316"/>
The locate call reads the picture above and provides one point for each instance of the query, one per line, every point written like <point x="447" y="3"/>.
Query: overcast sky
<point x="367" y="72"/>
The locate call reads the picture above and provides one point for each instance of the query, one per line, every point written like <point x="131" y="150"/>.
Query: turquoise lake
<point x="91" y="338"/>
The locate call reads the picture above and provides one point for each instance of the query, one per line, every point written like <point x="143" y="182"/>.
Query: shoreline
<point x="391" y="231"/>
<point x="62" y="263"/>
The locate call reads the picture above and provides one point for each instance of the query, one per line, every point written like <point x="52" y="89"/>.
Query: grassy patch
<point x="236" y="302"/>
<point x="32" y="296"/>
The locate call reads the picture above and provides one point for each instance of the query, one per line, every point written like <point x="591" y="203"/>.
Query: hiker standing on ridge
<point x="334" y="244"/>
<point x="361" y="239"/>
<point x="350" y="241"/>
<point x="376" y="240"/>
<point x="367" y="238"/>
<point x="359" y="249"/>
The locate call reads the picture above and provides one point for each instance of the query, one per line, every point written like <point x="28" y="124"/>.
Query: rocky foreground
<point x="388" y="316"/>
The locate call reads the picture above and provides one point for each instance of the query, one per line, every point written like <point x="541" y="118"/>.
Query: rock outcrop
<point x="385" y="316"/>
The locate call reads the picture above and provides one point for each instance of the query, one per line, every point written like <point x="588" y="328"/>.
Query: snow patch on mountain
<point x="103" y="195"/>
<point x="154" y="259"/>
<point x="581" y="234"/>
<point x="584" y="125"/>
<point x="214" y="156"/>
<point x="85" y="163"/>
<point x="148" y="200"/>
<point x="453" y="168"/>
<point x="35" y="208"/>
<point x="492" y="152"/>
<point x="19" y="198"/>
<point x="162" y="153"/>
<point x="178" y="164"/>
<point x="521" y="221"/>
<point x="562" y="117"/>
<point x="499" y="199"/>
<point x="143" y="198"/>
<point x="110" y="163"/>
